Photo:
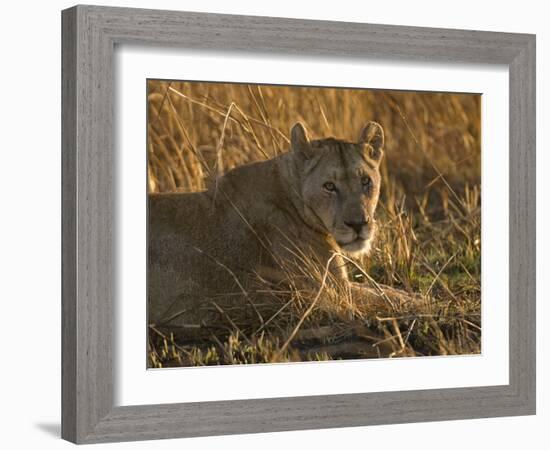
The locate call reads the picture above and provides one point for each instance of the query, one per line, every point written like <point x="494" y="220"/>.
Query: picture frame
<point x="89" y="37"/>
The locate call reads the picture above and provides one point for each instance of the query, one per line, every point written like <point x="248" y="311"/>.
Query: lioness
<point x="313" y="202"/>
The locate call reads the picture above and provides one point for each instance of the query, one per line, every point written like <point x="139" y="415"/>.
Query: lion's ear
<point x="372" y="135"/>
<point x="299" y="141"/>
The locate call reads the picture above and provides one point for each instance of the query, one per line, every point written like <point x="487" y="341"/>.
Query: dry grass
<point x="429" y="212"/>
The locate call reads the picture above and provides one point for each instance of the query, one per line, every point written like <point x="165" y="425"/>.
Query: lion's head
<point x="339" y="184"/>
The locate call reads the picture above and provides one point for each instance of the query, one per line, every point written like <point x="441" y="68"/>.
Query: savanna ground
<point x="429" y="241"/>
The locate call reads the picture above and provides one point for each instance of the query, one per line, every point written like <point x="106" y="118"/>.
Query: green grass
<point x="429" y="242"/>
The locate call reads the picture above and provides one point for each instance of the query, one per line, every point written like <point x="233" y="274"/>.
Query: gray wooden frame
<point x="89" y="37"/>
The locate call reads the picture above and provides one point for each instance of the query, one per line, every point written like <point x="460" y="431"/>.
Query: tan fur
<point x="212" y="245"/>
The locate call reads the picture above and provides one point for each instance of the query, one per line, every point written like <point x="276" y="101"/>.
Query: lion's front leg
<point x="383" y="298"/>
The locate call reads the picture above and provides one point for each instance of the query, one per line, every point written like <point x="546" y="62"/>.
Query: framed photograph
<point x="278" y="224"/>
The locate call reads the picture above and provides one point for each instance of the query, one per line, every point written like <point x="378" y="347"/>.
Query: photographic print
<point x="293" y="223"/>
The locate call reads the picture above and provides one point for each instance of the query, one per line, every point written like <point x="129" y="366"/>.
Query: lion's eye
<point x="329" y="186"/>
<point x="366" y="182"/>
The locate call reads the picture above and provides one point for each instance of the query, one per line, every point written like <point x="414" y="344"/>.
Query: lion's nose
<point x="357" y="225"/>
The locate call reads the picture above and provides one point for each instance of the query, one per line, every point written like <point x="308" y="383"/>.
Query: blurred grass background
<point x="429" y="213"/>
